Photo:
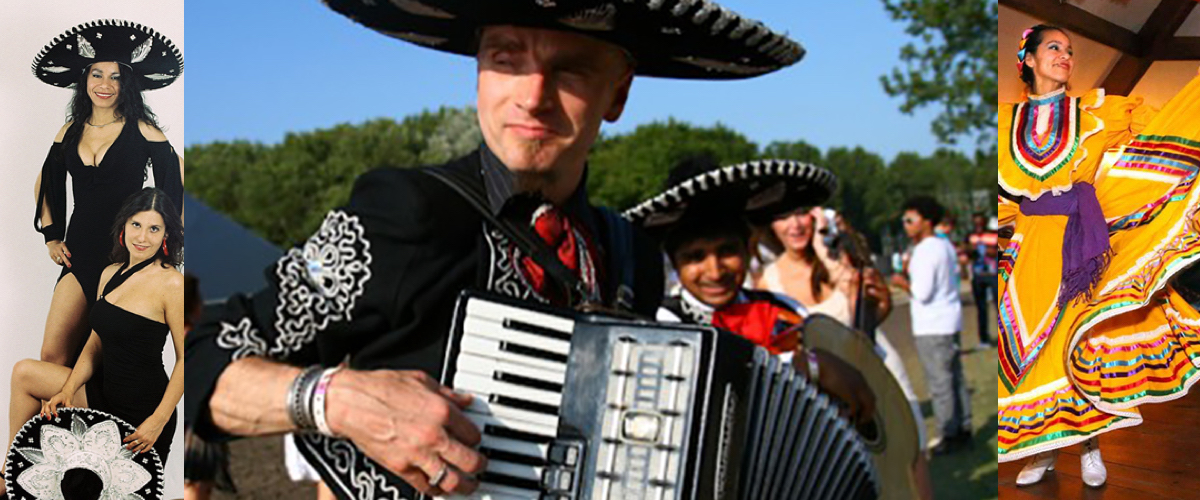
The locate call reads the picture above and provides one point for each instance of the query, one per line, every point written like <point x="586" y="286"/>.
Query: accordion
<point x="574" y="406"/>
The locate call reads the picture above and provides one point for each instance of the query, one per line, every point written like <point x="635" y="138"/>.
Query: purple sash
<point x="1085" y="239"/>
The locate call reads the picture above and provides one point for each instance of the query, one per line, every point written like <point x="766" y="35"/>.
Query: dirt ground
<point x="258" y="470"/>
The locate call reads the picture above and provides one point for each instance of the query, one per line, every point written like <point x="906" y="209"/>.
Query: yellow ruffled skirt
<point x="1069" y="373"/>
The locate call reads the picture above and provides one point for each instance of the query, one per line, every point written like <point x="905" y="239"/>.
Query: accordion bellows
<point x="575" y="406"/>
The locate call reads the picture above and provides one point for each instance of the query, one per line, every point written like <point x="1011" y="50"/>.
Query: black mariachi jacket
<point x="376" y="285"/>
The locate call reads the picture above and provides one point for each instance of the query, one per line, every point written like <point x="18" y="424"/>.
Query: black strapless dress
<point x="134" y="379"/>
<point x="99" y="191"/>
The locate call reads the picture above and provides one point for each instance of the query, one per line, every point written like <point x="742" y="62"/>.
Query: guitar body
<point x="893" y="439"/>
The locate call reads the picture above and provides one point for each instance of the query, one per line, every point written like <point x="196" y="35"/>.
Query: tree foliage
<point x="953" y="64"/>
<point x="283" y="191"/>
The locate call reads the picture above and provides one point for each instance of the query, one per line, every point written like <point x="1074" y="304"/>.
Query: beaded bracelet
<point x="299" y="401"/>
<point x="318" y="401"/>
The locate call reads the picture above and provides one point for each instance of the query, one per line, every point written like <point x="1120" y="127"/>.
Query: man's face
<point x="543" y="93"/>
<point x="914" y="224"/>
<point x="712" y="270"/>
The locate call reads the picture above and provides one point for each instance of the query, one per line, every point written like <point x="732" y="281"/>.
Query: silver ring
<point x="437" y="478"/>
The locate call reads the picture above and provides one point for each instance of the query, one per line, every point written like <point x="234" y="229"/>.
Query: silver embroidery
<point x="320" y="282"/>
<point x="504" y="277"/>
<point x="54" y="69"/>
<point x="726" y="67"/>
<point x="159" y="76"/>
<point x="417" y="38"/>
<point x="354" y="473"/>
<point x="85" y="48"/>
<point x="600" y="18"/>
<point x="97" y="448"/>
<point x="420" y="9"/>
<point x="243" y="339"/>
<point x="139" y="54"/>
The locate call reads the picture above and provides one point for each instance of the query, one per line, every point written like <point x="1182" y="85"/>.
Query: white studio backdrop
<point x="30" y="116"/>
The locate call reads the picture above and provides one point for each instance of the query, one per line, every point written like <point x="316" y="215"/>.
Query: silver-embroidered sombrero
<point x="151" y="55"/>
<point x="668" y="38"/>
<point x="757" y="190"/>
<point x="49" y="455"/>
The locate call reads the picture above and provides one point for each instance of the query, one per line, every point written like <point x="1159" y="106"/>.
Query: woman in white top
<point x="804" y="271"/>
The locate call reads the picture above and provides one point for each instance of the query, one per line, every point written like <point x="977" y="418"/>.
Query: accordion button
<point x="643" y="427"/>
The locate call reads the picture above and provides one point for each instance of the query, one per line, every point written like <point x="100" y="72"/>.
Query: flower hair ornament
<point x="1021" y="51"/>
<point x="50" y="454"/>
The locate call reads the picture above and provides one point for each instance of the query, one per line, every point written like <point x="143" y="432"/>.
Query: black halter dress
<point x="134" y="379"/>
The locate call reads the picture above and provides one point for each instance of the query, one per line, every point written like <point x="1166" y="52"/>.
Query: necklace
<point x="89" y="123"/>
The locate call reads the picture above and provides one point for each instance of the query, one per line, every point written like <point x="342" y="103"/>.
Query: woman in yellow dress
<point x="1090" y="326"/>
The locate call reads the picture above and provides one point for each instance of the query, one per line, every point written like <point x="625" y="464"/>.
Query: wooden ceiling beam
<point x="1182" y="48"/>
<point x="1154" y="39"/>
<point x="1080" y="22"/>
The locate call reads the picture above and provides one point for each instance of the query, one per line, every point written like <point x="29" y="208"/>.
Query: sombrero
<point x="152" y="56"/>
<point x="53" y="456"/>
<point x="668" y="38"/>
<point x="757" y="190"/>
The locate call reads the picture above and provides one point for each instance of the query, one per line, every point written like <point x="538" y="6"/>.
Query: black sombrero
<point x="669" y="38"/>
<point x="57" y="456"/>
<point x="758" y="190"/>
<point x="152" y="56"/>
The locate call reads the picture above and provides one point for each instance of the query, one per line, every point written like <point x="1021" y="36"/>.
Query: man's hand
<point x="411" y="424"/>
<point x="847" y="384"/>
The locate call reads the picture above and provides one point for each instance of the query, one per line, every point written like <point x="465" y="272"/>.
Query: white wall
<point x="31" y="112"/>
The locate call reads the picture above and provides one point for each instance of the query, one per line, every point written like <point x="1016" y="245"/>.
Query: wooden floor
<point x="1158" y="459"/>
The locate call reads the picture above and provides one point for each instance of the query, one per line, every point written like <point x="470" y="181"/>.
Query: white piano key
<point x="487" y="366"/>
<point x="526" y="448"/>
<point x="522" y="471"/>
<point x="498" y="313"/>
<point x="484" y="328"/>
<point x="482" y="385"/>
<point x="493" y="491"/>
<point x="480" y="405"/>
<point x="490" y="348"/>
<point x="482" y="420"/>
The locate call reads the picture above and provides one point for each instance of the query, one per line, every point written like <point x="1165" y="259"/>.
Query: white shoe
<point x="1037" y="467"/>
<point x="1092" y="467"/>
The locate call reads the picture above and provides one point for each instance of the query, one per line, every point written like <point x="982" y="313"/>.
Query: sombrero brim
<point x="153" y="57"/>
<point x="696" y="39"/>
<point x="80" y="438"/>
<point x="757" y="190"/>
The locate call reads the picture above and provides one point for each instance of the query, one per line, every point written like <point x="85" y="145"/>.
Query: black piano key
<point x="528" y="382"/>
<point x="533" y="352"/>
<point x="521" y="404"/>
<point x="508" y="456"/>
<point x="505" y="432"/>
<point x="521" y="326"/>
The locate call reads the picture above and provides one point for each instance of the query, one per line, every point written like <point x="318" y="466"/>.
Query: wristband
<point x="318" y="401"/>
<point x="299" y="401"/>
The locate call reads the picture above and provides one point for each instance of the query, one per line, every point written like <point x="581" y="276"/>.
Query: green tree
<point x="626" y="169"/>
<point x="954" y="65"/>
<point x="798" y="150"/>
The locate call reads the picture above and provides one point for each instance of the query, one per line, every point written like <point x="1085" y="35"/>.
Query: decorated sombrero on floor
<point x="668" y="38"/>
<point x="79" y="454"/>
<point x="151" y="55"/>
<point x="756" y="190"/>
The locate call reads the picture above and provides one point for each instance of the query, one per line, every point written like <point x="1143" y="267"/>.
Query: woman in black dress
<point x="140" y="302"/>
<point x="111" y="145"/>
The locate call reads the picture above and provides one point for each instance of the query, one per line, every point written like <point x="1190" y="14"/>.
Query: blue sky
<point x="258" y="70"/>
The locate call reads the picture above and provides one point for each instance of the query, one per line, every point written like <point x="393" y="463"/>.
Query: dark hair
<point x="927" y="207"/>
<point x="130" y="104"/>
<point x="142" y="201"/>
<point x="703" y="228"/>
<point x="1031" y="45"/>
<point x="191" y="298"/>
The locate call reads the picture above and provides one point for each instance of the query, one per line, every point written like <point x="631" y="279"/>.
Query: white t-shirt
<point x="933" y="279"/>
